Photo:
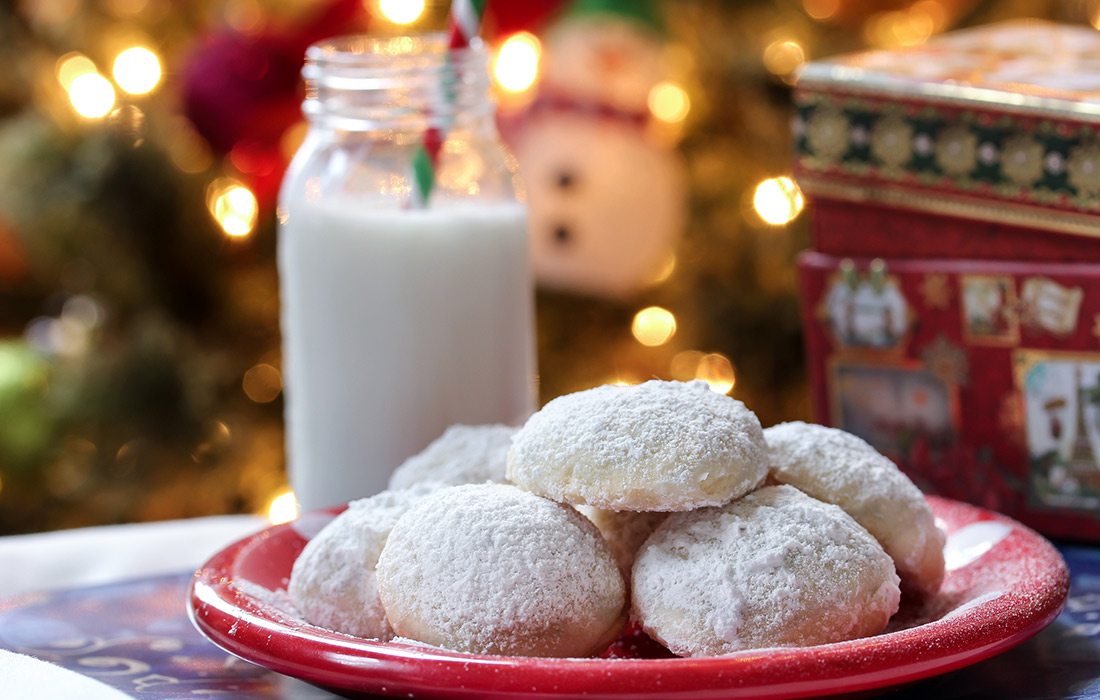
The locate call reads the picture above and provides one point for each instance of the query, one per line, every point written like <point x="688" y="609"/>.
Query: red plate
<point x="1004" y="584"/>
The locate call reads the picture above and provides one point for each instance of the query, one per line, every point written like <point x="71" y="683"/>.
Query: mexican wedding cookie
<point x="774" y="569"/>
<point x="657" y="446"/>
<point x="840" y="468"/>
<point x="333" y="581"/>
<point x="491" y="569"/>
<point x="463" y="454"/>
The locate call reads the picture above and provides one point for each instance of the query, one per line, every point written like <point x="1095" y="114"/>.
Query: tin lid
<point x="998" y="123"/>
<point x="1031" y="66"/>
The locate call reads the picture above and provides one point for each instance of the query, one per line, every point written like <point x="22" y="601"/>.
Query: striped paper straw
<point x="465" y="25"/>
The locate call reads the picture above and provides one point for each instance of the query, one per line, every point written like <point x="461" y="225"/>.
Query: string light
<point x="516" y="65"/>
<point x="233" y="206"/>
<point x="821" y="9"/>
<point x="778" y="200"/>
<point x="665" y="272"/>
<point x="262" y="383"/>
<point x="72" y="65"/>
<point x="401" y="11"/>
<point x="685" y="363"/>
<point x="669" y="102"/>
<point x="137" y="70"/>
<point x="283" y="507"/>
<point x="653" y="326"/>
<point x="783" y="57"/>
<point x="717" y="371"/>
<point x="92" y="95"/>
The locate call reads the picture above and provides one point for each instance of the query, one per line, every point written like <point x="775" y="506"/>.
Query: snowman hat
<point x="643" y="12"/>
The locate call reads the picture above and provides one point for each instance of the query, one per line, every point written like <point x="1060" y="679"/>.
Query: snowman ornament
<point x="606" y="199"/>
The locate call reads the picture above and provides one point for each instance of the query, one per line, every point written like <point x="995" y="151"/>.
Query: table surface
<point x="135" y="636"/>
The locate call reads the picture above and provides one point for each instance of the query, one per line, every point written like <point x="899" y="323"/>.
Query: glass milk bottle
<point x="398" y="318"/>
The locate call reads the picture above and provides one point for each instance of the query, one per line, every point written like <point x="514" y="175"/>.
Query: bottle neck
<point x="405" y="84"/>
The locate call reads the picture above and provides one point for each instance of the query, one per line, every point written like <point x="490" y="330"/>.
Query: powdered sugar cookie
<point x="333" y="582"/>
<point x="463" y="454"/>
<point x="774" y="569"/>
<point x="624" y="531"/>
<point x="492" y="569"/>
<point x="657" y="446"/>
<point x="840" y="468"/>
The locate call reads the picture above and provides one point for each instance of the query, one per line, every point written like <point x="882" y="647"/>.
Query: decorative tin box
<point x="952" y="299"/>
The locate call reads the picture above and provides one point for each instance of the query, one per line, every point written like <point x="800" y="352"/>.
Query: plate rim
<point x="235" y="621"/>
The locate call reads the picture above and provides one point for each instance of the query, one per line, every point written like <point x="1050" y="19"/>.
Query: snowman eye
<point x="566" y="180"/>
<point x="562" y="235"/>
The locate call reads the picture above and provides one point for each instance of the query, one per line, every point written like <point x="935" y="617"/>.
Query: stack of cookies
<point x="664" y="503"/>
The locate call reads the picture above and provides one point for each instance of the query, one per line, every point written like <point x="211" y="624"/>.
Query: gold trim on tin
<point x="1009" y="213"/>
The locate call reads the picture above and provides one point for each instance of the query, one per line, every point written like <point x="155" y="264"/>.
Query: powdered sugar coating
<point x="491" y="569"/>
<point x="776" y="568"/>
<point x="333" y="582"/>
<point x="657" y="446"/>
<point x="463" y="454"/>
<point x="624" y="531"/>
<point x="840" y="468"/>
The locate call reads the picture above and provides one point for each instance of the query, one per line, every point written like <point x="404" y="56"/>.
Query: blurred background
<point x="142" y="143"/>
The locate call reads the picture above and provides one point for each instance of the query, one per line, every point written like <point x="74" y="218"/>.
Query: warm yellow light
<point x="71" y="66"/>
<point x="783" y="56"/>
<point x="684" y="364"/>
<point x="778" y="200"/>
<point x="821" y="9"/>
<point x="233" y="206"/>
<point x="653" y="326"/>
<point x="901" y="27"/>
<point x="666" y="270"/>
<point x="283" y="507"/>
<point x="401" y="11"/>
<point x="716" y="370"/>
<point x="91" y="95"/>
<point x="137" y="70"/>
<point x="262" y="383"/>
<point x="669" y="102"/>
<point x="516" y="65"/>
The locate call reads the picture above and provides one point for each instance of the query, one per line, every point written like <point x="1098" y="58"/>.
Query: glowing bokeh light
<point x="262" y="383"/>
<point x="821" y="9"/>
<point x="783" y="56"/>
<point x="778" y="200"/>
<point x="669" y="102"/>
<point x="283" y="507"/>
<point x="716" y="370"/>
<point x="401" y="11"/>
<point x="516" y="64"/>
<point x="233" y="206"/>
<point x="653" y="326"/>
<point x="137" y="70"/>
<point x="92" y="95"/>
<point x="71" y="66"/>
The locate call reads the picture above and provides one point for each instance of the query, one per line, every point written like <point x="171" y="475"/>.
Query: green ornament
<point x="28" y="426"/>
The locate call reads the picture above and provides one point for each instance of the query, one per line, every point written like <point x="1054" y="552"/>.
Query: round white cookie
<point x="624" y="531"/>
<point x="657" y="446"/>
<point x="774" y="569"/>
<point x="492" y="569"/>
<point x="333" y="581"/>
<point x="463" y="454"/>
<point x="837" y="467"/>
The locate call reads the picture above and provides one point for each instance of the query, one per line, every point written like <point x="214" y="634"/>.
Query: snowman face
<point x="603" y="59"/>
<point x="606" y="206"/>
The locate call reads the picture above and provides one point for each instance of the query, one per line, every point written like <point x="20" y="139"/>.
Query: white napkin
<point x="26" y="677"/>
<point x="94" y="555"/>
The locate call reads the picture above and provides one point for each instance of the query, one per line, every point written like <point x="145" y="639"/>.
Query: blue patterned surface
<point x="136" y="637"/>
